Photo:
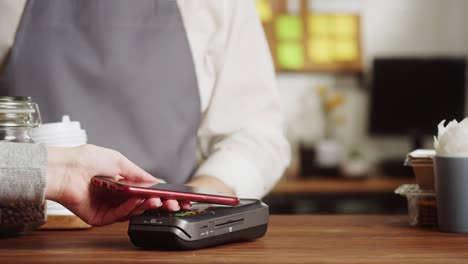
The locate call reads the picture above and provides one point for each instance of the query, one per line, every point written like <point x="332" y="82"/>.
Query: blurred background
<point x="362" y="82"/>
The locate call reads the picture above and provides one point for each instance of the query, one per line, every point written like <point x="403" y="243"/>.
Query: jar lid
<point x="18" y="111"/>
<point x="15" y="98"/>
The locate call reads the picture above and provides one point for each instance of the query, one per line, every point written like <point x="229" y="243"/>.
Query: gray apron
<point x="122" y="68"/>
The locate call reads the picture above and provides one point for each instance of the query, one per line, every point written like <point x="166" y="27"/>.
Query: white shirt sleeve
<point x="10" y="16"/>
<point x="241" y="133"/>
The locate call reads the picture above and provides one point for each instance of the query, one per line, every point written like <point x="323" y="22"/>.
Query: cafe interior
<point x="363" y="83"/>
<point x="365" y="86"/>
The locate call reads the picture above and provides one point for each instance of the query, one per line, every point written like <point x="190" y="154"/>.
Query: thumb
<point x="130" y="171"/>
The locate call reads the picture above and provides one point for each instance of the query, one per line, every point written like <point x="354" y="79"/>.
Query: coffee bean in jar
<point x="18" y="115"/>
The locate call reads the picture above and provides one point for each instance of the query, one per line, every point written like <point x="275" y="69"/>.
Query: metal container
<point x="18" y="115"/>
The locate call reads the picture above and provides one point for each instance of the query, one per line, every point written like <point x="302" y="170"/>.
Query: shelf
<point x="328" y="185"/>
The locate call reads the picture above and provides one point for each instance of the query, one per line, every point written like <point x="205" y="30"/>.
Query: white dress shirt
<point x="241" y="133"/>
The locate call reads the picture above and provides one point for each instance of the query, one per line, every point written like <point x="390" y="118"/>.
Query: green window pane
<point x="290" y="55"/>
<point x="288" y="27"/>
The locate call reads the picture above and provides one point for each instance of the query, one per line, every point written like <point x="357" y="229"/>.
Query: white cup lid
<point x="52" y="129"/>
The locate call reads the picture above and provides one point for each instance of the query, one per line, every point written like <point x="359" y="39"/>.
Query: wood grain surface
<point x="290" y="239"/>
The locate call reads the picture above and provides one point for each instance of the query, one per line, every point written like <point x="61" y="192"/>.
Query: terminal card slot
<point x="227" y="222"/>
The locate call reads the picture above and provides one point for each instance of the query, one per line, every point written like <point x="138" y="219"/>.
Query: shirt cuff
<point x="232" y="168"/>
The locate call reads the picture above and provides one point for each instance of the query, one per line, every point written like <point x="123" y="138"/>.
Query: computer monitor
<point x="411" y="95"/>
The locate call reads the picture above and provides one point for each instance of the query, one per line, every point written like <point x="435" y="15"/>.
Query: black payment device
<point x="203" y="225"/>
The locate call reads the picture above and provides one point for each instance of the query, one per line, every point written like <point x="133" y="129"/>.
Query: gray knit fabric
<point x="23" y="171"/>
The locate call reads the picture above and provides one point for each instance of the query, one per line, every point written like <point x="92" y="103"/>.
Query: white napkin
<point x="452" y="140"/>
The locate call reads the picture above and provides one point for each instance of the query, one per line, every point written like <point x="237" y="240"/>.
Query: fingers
<point x="121" y="212"/>
<point x="136" y="206"/>
<point x="185" y="204"/>
<point x="154" y="203"/>
<point x="171" y="205"/>
<point x="148" y="204"/>
<point x="131" y="207"/>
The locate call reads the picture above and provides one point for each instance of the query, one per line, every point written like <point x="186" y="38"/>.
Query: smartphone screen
<point x="165" y="191"/>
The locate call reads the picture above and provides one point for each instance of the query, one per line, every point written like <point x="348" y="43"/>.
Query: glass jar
<point x="18" y="115"/>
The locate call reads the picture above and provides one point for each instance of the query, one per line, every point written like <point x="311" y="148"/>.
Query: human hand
<point x="69" y="175"/>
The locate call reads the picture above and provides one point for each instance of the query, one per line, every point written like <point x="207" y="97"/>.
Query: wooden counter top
<point x="290" y="239"/>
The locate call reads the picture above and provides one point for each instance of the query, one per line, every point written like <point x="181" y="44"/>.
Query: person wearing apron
<point x="125" y="65"/>
<point x="127" y="71"/>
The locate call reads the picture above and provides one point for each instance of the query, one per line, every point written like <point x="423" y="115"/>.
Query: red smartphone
<point x="165" y="191"/>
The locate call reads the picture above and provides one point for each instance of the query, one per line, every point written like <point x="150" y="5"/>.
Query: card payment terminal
<point x="203" y="225"/>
